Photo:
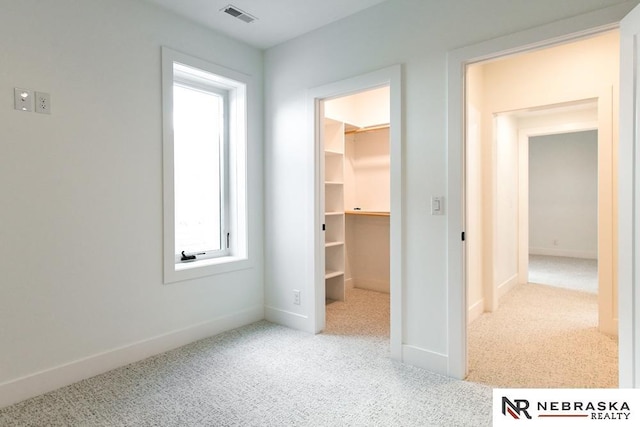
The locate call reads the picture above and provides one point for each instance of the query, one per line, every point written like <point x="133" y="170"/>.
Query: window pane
<point x="198" y="130"/>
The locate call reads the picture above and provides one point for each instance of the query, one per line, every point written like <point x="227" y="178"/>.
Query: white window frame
<point x="183" y="78"/>
<point x="234" y="85"/>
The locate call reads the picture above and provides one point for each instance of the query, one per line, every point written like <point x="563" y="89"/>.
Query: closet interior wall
<point x="367" y="201"/>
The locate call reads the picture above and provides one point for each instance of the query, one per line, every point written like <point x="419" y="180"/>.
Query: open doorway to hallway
<point x="522" y="333"/>
<point x="563" y="210"/>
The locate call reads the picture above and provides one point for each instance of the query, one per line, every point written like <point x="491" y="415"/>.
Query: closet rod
<point x="367" y="129"/>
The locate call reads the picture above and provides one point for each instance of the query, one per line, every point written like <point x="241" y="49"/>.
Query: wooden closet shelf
<point x="329" y="274"/>
<point x="368" y="213"/>
<point x="333" y="153"/>
<point x="367" y="129"/>
<point x="333" y="244"/>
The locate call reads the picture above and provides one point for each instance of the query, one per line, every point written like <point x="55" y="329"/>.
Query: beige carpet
<point x="570" y="273"/>
<point x="363" y="312"/>
<point x="542" y="336"/>
<point x="268" y="375"/>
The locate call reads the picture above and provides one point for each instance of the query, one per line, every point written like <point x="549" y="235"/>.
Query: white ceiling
<point x="278" y="20"/>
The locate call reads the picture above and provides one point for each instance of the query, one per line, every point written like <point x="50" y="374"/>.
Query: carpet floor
<point x="570" y="273"/>
<point x="267" y="375"/>
<point x="542" y="336"/>
<point x="363" y="313"/>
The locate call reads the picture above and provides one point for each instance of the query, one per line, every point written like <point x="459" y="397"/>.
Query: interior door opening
<point x="356" y="198"/>
<point x="563" y="210"/>
<point x="510" y="102"/>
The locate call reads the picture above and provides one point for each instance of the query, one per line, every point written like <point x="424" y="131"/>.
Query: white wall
<point x="475" y="200"/>
<point x="369" y="160"/>
<point x="505" y="228"/>
<point x="418" y="35"/>
<point x="81" y="190"/>
<point x="563" y="194"/>
<point x="368" y="252"/>
<point x="564" y="73"/>
<point x="366" y="108"/>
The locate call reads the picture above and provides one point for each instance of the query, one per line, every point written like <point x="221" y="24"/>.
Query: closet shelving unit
<point x="340" y="192"/>
<point x="334" y="209"/>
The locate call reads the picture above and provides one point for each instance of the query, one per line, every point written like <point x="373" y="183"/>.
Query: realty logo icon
<point x="516" y="409"/>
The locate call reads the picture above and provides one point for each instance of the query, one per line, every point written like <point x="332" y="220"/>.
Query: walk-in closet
<point x="357" y="204"/>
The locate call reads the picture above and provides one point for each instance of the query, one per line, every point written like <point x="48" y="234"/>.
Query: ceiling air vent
<point x="237" y="13"/>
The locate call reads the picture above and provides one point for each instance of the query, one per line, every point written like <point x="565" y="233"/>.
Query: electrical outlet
<point x="23" y="99"/>
<point x="296" y="297"/>
<point x="43" y="103"/>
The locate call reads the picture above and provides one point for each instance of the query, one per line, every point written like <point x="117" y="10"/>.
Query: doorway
<point x="390" y="77"/>
<point x="563" y="210"/>
<point x="355" y="139"/>
<point x="509" y="100"/>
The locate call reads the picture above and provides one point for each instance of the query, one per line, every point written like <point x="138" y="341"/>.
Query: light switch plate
<point x="23" y="99"/>
<point x="437" y="205"/>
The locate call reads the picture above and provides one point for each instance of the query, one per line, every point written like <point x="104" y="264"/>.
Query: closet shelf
<point x="367" y="128"/>
<point x="333" y="153"/>
<point x="329" y="274"/>
<point x="333" y="213"/>
<point x="333" y="244"/>
<point x="333" y="183"/>
<point x="368" y="213"/>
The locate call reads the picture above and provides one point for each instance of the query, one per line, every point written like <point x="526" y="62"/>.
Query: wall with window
<point x="81" y="224"/>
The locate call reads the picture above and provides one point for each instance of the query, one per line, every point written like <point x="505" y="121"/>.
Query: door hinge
<point x="324" y="227"/>
<point x="228" y="240"/>
<point x="463" y="236"/>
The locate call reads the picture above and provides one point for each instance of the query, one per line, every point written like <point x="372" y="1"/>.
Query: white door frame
<point x="392" y="77"/>
<point x="536" y="38"/>
<point x="629" y="195"/>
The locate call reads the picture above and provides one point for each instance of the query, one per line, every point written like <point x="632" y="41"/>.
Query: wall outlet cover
<point x="43" y="103"/>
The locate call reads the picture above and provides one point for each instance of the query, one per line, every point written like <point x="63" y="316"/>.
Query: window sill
<point x="203" y="268"/>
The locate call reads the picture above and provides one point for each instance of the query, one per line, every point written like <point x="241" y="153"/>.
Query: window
<point x="199" y="168"/>
<point x="204" y="120"/>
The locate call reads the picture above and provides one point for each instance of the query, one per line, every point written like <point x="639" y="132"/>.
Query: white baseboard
<point x="289" y="319"/>
<point x="475" y="311"/>
<point x="609" y="326"/>
<point x="507" y="285"/>
<point x="563" y="252"/>
<point x="425" y="359"/>
<point x="373" y="285"/>
<point x="348" y="283"/>
<point x="51" y="379"/>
